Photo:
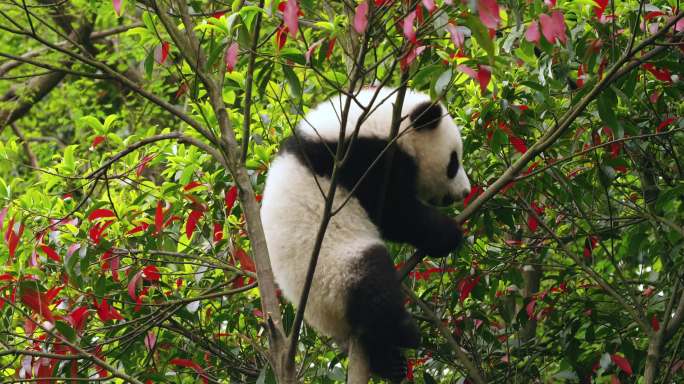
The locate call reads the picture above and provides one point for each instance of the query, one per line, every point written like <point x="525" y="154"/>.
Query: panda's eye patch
<point x="452" y="168"/>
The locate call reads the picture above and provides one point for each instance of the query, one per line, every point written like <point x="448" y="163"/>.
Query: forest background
<point x="135" y="137"/>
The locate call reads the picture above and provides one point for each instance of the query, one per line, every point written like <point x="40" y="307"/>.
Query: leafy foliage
<point x="129" y="259"/>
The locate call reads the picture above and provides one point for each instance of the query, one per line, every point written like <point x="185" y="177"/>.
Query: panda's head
<point x="435" y="142"/>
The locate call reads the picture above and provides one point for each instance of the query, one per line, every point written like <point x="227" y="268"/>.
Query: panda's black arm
<point x="406" y="219"/>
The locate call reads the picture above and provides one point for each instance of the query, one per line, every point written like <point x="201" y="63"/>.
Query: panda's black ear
<point x="426" y="116"/>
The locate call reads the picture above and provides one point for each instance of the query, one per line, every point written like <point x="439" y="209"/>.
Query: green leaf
<point x="66" y="330"/>
<point x="481" y="35"/>
<point x="606" y="104"/>
<point x="293" y="82"/>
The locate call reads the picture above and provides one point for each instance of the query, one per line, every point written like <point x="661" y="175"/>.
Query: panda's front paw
<point x="446" y="238"/>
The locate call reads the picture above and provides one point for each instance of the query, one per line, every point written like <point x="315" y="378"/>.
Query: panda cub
<point x="355" y="291"/>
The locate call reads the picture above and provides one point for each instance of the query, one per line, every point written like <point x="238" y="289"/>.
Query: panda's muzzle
<point x="443" y="202"/>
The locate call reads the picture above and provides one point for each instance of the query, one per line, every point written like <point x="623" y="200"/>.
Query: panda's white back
<point x="292" y="208"/>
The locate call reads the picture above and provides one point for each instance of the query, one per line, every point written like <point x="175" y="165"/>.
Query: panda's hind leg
<point x="376" y="314"/>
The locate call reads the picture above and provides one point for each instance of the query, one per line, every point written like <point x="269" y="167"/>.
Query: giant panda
<point x="355" y="291"/>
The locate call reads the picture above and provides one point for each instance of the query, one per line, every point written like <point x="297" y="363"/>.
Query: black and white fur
<point x="355" y="292"/>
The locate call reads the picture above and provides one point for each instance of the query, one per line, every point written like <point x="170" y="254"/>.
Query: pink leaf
<point x="532" y="33"/>
<point x="150" y="340"/>
<point x="193" y="218"/>
<point x="97" y="140"/>
<point x="231" y="196"/>
<point x="161" y="52"/>
<point x="13" y="238"/>
<point x="468" y="71"/>
<point x="311" y="49"/>
<point x="429" y="5"/>
<point x="529" y="308"/>
<point x="143" y="163"/>
<point x="132" y="285"/>
<point x="50" y="253"/>
<point x="489" y="13"/>
<point x="290" y="16"/>
<point x="553" y="27"/>
<point x="3" y="213"/>
<point x="456" y="35"/>
<point x="232" y="56"/>
<point x="550" y="3"/>
<point x="117" y="7"/>
<point x="361" y="18"/>
<point x="622" y="363"/>
<point x="407" y="27"/>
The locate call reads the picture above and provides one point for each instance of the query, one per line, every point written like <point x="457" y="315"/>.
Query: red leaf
<point x="193" y="218"/>
<point x="664" y="124"/>
<point x="483" y="77"/>
<point x="232" y="56"/>
<point x="106" y="312"/>
<point x="290" y="17"/>
<point x="117" y="7"/>
<point x="475" y="190"/>
<point x="489" y="13"/>
<point x="140" y="228"/>
<point x="655" y="323"/>
<point x="96" y="231"/>
<point x="661" y="74"/>
<point x="218" y="232"/>
<point x="37" y="301"/>
<point x="77" y="318"/>
<point x="99" y="213"/>
<point x="191" y="185"/>
<point x="13" y="238"/>
<point x="3" y="213"/>
<point x="361" y="18"/>
<point x="245" y="261"/>
<point x="53" y="292"/>
<point x="411" y="55"/>
<point x="600" y="7"/>
<point x="614" y="379"/>
<point x="151" y="273"/>
<point x="281" y="36"/>
<point x="580" y="76"/>
<point x="407" y="27"/>
<point x="331" y="46"/>
<point x="143" y="163"/>
<point x="97" y="140"/>
<point x="191" y="364"/>
<point x="159" y="217"/>
<point x="517" y="143"/>
<point x="50" y="253"/>
<point x="532" y="33"/>
<point x="553" y="27"/>
<point x="532" y="223"/>
<point x="622" y="363"/>
<point x="161" y="52"/>
<point x="467" y="285"/>
<point x="231" y="196"/>
<point x="132" y="285"/>
<point x="6" y="277"/>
